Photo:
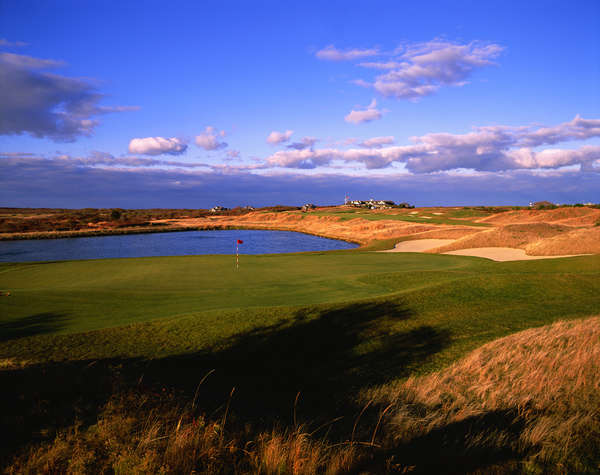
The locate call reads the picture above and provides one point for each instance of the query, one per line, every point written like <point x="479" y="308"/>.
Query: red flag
<point x="240" y="241"/>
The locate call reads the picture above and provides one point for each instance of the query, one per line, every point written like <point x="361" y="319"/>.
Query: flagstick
<point x="237" y="255"/>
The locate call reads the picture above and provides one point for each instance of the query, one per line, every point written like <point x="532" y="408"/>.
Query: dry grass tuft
<point x="131" y="436"/>
<point x="578" y="241"/>
<point x="529" y="402"/>
<point x="517" y="236"/>
<point x="532" y="396"/>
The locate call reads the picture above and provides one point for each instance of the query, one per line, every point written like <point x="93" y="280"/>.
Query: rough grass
<point x="570" y="216"/>
<point x="518" y="236"/>
<point x="533" y="396"/>
<point x="578" y="241"/>
<point x="525" y="403"/>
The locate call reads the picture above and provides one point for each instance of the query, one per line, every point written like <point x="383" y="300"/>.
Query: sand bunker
<point x="502" y="254"/>
<point x="419" y="245"/>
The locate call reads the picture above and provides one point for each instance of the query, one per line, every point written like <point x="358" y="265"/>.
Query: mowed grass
<point x="454" y="217"/>
<point x="96" y="294"/>
<point x="158" y="307"/>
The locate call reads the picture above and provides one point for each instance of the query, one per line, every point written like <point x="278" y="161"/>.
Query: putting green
<point x="95" y="294"/>
<point x="153" y="307"/>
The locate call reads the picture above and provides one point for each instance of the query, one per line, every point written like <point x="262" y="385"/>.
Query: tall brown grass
<point x="134" y="434"/>
<point x="578" y="241"/>
<point x="535" y="394"/>
<point x="529" y="402"/>
<point x="512" y="235"/>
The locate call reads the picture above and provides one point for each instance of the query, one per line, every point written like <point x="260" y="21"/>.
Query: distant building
<point x="218" y="209"/>
<point x="308" y="206"/>
<point x="372" y="204"/>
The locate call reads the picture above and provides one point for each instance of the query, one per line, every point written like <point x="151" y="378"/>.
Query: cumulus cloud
<point x="577" y="129"/>
<point x="233" y="153"/>
<point x="331" y="53"/>
<point x="377" y="142"/>
<point x="45" y="104"/>
<point x="495" y="148"/>
<point x="425" y="67"/>
<point x="210" y="139"/>
<point x="157" y="146"/>
<point x="421" y="69"/>
<point x="276" y="138"/>
<point x="366" y="114"/>
<point x="306" y="142"/>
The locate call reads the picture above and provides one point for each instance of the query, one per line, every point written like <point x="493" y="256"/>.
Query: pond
<point x="166" y="244"/>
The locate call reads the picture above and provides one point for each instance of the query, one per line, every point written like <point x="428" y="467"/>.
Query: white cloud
<point x="493" y="148"/>
<point x="331" y="53"/>
<point x="420" y="69"/>
<point x="209" y="139"/>
<point x="366" y="114"/>
<point x="276" y="138"/>
<point x="377" y="142"/>
<point x="157" y="146"/>
<point x="425" y="67"/>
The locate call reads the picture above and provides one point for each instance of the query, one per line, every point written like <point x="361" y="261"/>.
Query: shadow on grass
<point x="475" y="444"/>
<point x="37" y="324"/>
<point x="326" y="354"/>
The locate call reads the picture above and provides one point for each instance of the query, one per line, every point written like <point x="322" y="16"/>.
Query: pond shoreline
<point x="186" y="242"/>
<point x="159" y="229"/>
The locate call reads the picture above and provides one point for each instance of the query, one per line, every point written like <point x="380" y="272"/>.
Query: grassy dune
<point x="120" y="346"/>
<point x="536" y="393"/>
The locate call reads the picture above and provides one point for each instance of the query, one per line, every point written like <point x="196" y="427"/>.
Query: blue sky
<point x="191" y="104"/>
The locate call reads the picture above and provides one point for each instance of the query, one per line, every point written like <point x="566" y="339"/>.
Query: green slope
<point x="158" y="307"/>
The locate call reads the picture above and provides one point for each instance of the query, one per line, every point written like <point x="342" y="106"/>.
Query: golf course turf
<point x="327" y="325"/>
<point x="198" y="302"/>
